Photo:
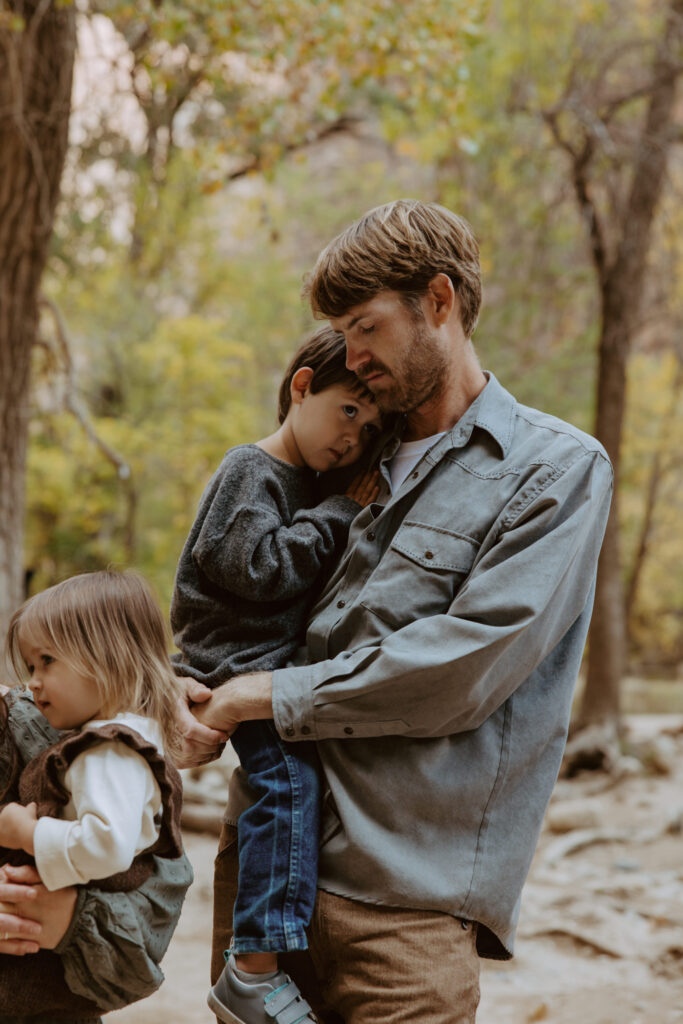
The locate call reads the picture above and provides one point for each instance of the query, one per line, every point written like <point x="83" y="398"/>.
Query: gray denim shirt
<point x="444" y="653"/>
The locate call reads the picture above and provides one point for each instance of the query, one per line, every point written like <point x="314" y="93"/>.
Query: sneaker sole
<point x="221" y="1011"/>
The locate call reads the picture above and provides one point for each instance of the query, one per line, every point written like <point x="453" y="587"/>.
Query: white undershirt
<point x="407" y="456"/>
<point x="110" y="816"/>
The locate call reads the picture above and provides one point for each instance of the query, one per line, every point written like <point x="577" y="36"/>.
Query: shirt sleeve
<point x="447" y="673"/>
<point x="111" y="788"/>
<point x="244" y="546"/>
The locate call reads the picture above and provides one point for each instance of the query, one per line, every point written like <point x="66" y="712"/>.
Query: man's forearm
<point x="241" y="699"/>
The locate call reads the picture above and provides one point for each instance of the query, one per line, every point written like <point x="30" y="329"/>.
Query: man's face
<point x="394" y="351"/>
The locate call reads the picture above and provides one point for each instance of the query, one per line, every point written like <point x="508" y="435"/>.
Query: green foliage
<point x="182" y="242"/>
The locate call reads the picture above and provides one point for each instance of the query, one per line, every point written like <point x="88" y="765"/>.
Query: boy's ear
<point x="301" y="382"/>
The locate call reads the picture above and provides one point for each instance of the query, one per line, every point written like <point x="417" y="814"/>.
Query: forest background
<point x="215" y="147"/>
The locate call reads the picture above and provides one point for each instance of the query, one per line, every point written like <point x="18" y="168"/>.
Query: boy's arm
<point x="243" y="546"/>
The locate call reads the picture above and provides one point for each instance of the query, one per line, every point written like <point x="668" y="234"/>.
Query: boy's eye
<point x="372" y="429"/>
<point x="350" y="410"/>
<point x="366" y="330"/>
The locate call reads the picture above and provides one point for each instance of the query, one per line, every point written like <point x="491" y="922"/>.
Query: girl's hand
<point x="364" y="488"/>
<point x="17" y="825"/>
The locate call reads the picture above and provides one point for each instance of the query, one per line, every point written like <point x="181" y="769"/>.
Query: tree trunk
<point x="37" y="48"/>
<point x="621" y="290"/>
<point x="657" y="473"/>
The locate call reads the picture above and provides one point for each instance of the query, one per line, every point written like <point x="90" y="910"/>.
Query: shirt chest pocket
<point x="419" y="574"/>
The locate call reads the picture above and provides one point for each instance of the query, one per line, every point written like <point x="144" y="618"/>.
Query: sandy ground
<point x="600" y="936"/>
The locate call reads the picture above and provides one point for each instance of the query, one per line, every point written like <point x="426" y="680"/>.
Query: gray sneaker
<point x="275" y="1001"/>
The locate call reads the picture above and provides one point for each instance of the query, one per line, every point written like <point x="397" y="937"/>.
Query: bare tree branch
<point x="71" y="400"/>
<point x="342" y="124"/>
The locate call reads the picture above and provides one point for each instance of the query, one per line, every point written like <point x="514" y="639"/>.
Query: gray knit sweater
<point x="256" y="557"/>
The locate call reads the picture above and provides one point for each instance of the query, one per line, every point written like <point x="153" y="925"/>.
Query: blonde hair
<point x="400" y="246"/>
<point x="106" y="625"/>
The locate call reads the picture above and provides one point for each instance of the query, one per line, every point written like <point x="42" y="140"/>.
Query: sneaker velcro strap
<point x="287" y="1005"/>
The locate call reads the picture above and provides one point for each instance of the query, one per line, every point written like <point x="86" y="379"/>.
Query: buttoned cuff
<point x="293" y="708"/>
<point x="51" y="855"/>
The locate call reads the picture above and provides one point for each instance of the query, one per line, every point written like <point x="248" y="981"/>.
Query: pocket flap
<point x="435" y="548"/>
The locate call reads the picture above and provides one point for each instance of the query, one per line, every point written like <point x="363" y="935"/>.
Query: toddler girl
<point x="99" y="804"/>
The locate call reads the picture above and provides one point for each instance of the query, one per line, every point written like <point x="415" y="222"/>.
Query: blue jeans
<point x="278" y="842"/>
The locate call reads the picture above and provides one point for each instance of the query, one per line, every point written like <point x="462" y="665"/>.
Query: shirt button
<point x="371" y="536"/>
<point x="340" y="604"/>
<point x="429" y="554"/>
<point x="348" y="730"/>
<point x="305" y="730"/>
<point x="289" y="731"/>
<point x="415" y="475"/>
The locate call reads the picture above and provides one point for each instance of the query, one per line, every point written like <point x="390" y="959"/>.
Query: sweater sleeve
<point x="245" y="547"/>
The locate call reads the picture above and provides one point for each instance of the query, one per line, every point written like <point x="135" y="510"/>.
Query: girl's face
<point x="333" y="427"/>
<point x="66" y="698"/>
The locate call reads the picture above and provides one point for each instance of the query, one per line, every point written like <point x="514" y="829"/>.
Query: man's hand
<point x="17" y="825"/>
<point x="31" y="917"/>
<point x="201" y="743"/>
<point x="241" y="699"/>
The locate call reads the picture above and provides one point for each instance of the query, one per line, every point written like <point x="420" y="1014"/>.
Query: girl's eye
<point x="350" y="410"/>
<point x="47" y="659"/>
<point x="366" y="330"/>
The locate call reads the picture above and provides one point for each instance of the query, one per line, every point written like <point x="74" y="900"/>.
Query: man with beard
<point x="443" y="653"/>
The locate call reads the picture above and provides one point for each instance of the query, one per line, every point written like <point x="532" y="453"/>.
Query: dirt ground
<point x="600" y="937"/>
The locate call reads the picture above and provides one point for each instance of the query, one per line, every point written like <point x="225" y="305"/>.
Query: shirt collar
<point x="493" y="410"/>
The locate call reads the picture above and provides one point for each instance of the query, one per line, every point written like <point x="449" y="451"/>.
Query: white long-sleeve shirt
<point x="110" y="817"/>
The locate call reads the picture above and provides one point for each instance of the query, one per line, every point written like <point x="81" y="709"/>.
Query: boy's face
<point x="333" y="427"/>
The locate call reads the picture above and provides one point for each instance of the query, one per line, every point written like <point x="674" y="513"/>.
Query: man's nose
<point x="355" y="356"/>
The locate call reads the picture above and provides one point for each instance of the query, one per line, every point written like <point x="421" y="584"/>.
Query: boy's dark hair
<point x="324" y="353"/>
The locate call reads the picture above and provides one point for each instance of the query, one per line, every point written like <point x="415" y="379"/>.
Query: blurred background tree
<point x="215" y="148"/>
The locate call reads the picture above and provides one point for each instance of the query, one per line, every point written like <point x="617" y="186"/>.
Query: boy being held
<point x="256" y="557"/>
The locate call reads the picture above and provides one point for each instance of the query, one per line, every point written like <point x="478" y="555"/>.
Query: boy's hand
<point x="201" y="744"/>
<point x="17" y="825"/>
<point x="364" y="488"/>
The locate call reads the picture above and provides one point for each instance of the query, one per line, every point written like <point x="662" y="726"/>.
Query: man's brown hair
<point x="400" y="246"/>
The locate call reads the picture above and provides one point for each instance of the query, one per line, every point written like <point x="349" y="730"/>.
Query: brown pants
<point x="368" y="964"/>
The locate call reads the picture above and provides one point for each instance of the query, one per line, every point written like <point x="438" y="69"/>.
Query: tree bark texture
<point x="622" y="282"/>
<point x="37" y="49"/>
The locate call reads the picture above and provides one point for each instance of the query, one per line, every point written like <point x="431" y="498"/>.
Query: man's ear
<point x="442" y="298"/>
<point x="301" y="382"/>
